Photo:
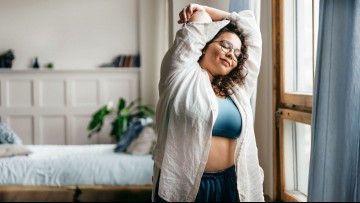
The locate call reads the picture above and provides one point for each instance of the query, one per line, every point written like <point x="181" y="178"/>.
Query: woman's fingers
<point x="197" y="7"/>
<point x="182" y="16"/>
<point x="186" y="13"/>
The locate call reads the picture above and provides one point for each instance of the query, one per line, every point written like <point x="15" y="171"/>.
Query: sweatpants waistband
<point x="228" y="171"/>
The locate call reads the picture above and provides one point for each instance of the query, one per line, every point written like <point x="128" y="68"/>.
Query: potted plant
<point x="6" y="59"/>
<point x="122" y="117"/>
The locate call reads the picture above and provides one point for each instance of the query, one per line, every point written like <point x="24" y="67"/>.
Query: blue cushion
<point x="7" y="136"/>
<point x="131" y="132"/>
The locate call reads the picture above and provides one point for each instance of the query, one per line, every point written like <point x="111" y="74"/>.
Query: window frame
<point x="295" y="98"/>
<point x="296" y="116"/>
<point x="293" y="106"/>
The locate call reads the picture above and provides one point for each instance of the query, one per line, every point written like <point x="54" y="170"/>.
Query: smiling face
<point x="215" y="60"/>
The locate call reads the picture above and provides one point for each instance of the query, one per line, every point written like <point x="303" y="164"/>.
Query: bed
<point x="76" y="173"/>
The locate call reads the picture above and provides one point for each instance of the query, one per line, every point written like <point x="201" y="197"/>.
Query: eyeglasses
<point x="227" y="47"/>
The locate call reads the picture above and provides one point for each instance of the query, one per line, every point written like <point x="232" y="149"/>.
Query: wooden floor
<point x="77" y="195"/>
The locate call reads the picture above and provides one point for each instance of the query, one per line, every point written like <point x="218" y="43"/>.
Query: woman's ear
<point x="204" y="50"/>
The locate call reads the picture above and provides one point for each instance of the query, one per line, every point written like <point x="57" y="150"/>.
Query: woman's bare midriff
<point x="221" y="155"/>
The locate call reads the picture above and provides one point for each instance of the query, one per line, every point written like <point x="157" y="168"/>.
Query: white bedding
<point x="65" y="165"/>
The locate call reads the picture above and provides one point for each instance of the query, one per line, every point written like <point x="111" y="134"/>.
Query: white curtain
<point x="153" y="45"/>
<point x="254" y="6"/>
<point x="335" y="152"/>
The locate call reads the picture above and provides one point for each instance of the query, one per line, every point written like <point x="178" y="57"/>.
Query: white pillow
<point x="9" y="150"/>
<point x="144" y="143"/>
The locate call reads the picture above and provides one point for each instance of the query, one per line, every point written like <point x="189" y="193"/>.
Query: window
<point x="294" y="43"/>
<point x="294" y="136"/>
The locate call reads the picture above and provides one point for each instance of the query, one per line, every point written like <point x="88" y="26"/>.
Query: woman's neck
<point x="203" y="66"/>
<point x="211" y="77"/>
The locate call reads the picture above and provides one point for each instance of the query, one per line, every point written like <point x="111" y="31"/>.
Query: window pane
<point x="297" y="143"/>
<point x="298" y="40"/>
<point x="316" y="29"/>
<point x="289" y="45"/>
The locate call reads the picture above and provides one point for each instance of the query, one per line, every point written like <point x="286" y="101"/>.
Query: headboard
<point x="55" y="106"/>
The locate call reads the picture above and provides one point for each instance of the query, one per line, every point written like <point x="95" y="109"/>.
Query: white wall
<point x="154" y="44"/>
<point x="72" y="34"/>
<point x="263" y="115"/>
<point x="77" y="36"/>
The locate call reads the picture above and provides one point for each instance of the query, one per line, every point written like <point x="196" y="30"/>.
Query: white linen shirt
<point x="187" y="110"/>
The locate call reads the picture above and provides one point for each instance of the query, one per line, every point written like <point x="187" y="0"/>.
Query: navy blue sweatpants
<point x="215" y="187"/>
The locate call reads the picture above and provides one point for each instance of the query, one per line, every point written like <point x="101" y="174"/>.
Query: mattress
<point x="68" y="165"/>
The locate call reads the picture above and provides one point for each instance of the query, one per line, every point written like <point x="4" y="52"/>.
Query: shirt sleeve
<point x="187" y="46"/>
<point x="246" y="22"/>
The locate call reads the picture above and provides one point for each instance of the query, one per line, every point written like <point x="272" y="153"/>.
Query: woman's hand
<point x="214" y="14"/>
<point x="186" y="13"/>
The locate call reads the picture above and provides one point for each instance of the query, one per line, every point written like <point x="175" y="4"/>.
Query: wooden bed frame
<point x="75" y="193"/>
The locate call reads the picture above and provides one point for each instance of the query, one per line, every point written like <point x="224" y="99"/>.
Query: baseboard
<point x="267" y="198"/>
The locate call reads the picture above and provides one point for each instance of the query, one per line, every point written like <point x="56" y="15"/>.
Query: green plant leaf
<point x="124" y="112"/>
<point x="100" y="126"/>
<point x="124" y="116"/>
<point x="119" y="126"/>
<point x="115" y="127"/>
<point x="132" y="103"/>
<point x="145" y="111"/>
<point x="121" y="105"/>
<point x="123" y="127"/>
<point x="97" y="119"/>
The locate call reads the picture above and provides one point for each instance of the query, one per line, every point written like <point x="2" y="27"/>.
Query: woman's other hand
<point x="186" y="13"/>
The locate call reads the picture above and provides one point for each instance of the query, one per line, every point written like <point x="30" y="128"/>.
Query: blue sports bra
<point x="228" y="122"/>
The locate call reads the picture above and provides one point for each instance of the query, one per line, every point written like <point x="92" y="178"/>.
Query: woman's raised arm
<point x="187" y="12"/>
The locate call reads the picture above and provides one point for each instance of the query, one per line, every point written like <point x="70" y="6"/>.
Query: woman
<point x="206" y="148"/>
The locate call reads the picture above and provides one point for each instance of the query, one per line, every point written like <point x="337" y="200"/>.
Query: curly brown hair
<point x="222" y="84"/>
